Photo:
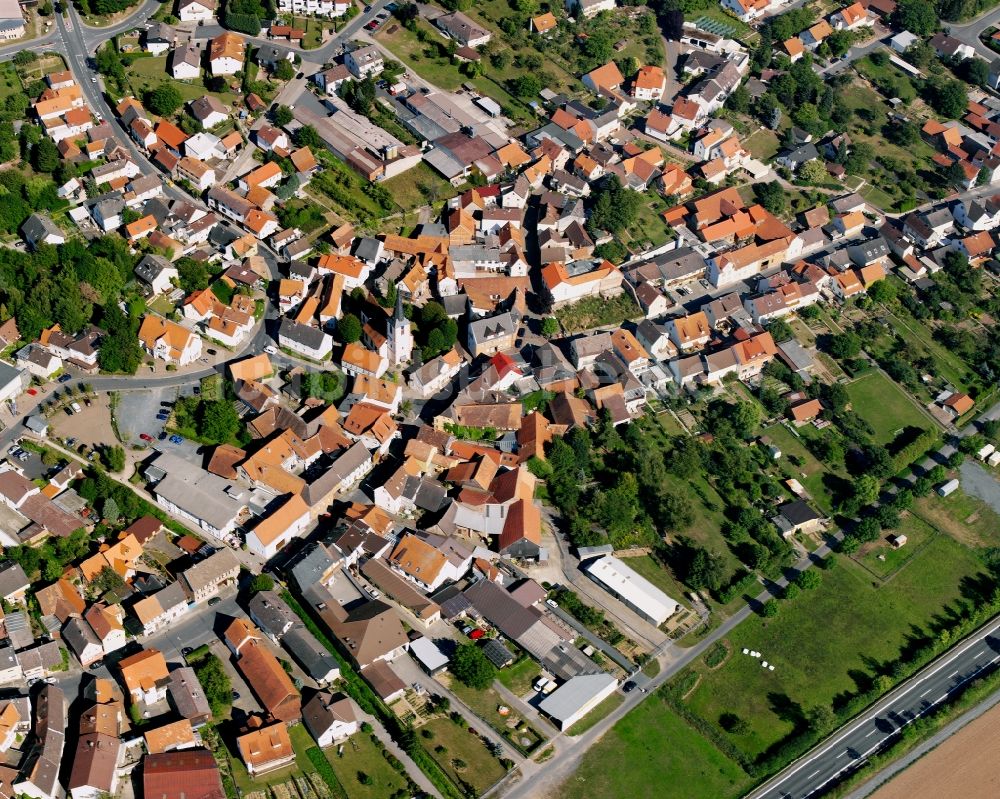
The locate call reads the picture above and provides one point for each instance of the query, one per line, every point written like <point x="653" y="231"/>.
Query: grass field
<point x="811" y="474"/>
<point x="598" y="312"/>
<point x="10" y="84"/>
<point x="485" y="704"/>
<point x="966" y="518"/>
<point x="419" y="186"/>
<point x="652" y="746"/>
<point x="148" y="73"/>
<point x="882" y="404"/>
<point x="519" y="677"/>
<point x="361" y="756"/>
<point x="918" y="535"/>
<point x="465" y="756"/>
<point x="599" y="713"/>
<point x="763" y="144"/>
<point x="824" y="640"/>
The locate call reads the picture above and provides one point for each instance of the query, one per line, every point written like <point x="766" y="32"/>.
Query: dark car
<point x="96" y="665"/>
<point x="186" y="651"/>
<point x="65" y="378"/>
<point x="215" y="600"/>
<point x="628" y="687"/>
<point x="236" y="695"/>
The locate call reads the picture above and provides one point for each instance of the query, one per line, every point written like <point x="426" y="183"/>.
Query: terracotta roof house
<point x="186" y="774"/>
<point x="265" y="749"/>
<point x="262" y="672"/>
<point x="145" y="676"/>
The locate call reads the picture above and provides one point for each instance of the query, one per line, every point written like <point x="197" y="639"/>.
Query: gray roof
<point x="78" y="635"/>
<point x="204" y="495"/>
<point x="37" y="226"/>
<point x="570" y="698"/>
<point x="187" y="695"/>
<point x="211" y="569"/>
<point x="272" y="615"/>
<point x="314" y="658"/>
<point x="305" y="335"/>
<point x="151" y="267"/>
<point x="12" y="579"/>
<point x="490" y="327"/>
<point x="311" y="564"/>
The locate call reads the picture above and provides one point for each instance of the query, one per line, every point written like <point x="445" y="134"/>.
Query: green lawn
<point x="824" y="638"/>
<point x="918" y="535"/>
<point x="10" y="84"/>
<point x="599" y="713"/>
<point x="813" y="470"/>
<point x="519" y="677"/>
<point x="884" y="406"/>
<point x="361" y="756"/>
<point x="598" y="312"/>
<point x="962" y="516"/>
<point x="148" y="73"/>
<point x="653" y="746"/>
<point x="419" y="186"/>
<point x="465" y="757"/>
<point x="763" y="144"/>
<point x="485" y="704"/>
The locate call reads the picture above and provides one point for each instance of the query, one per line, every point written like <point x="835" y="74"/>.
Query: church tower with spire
<point x="399" y="335"/>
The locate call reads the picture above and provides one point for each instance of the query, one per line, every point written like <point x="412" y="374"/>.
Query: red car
<point x="145" y="436"/>
<point x="32" y="392"/>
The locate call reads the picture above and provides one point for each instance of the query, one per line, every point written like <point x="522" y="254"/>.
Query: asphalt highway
<point x="853" y="744"/>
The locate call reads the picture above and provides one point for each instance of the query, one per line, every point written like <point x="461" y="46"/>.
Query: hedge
<point x="325" y="770"/>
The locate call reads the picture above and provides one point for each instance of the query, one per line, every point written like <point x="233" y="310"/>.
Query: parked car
<point x="162" y="436"/>
<point x="628" y="687"/>
<point x="65" y="378"/>
<point x="32" y="392"/>
<point x="175" y="439"/>
<point x="76" y="407"/>
<point x="215" y="600"/>
<point x="270" y="349"/>
<point x="145" y="436"/>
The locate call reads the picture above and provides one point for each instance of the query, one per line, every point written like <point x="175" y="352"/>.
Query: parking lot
<point x="136" y="413"/>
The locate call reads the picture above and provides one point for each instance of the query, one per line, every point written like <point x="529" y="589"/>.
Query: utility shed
<point x="428" y="655"/>
<point x="634" y="590"/>
<point x="576" y="698"/>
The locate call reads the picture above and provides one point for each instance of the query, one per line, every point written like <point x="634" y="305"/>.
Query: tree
<point x="284" y="70"/>
<point x="349" y="328"/>
<point x="772" y="196"/>
<point x="883" y="291"/>
<point x="739" y="100"/>
<point x="113" y="458"/>
<point x="813" y="172"/>
<point x="307" y="136"/>
<point x="45" y="156"/>
<point x="219" y="421"/>
<point x="917" y="16"/>
<point x="780" y="330"/>
<point x="615" y="208"/>
<point x="844" y="345"/>
<point x="261" y="582"/>
<point x="470" y="666"/>
<point x="770" y="609"/>
<point x="975" y="71"/>
<point x="164" y="100"/>
<point x="808" y="580"/>
<point x="526" y="86"/>
<point x="947" y="96"/>
<point x="192" y="275"/>
<point x="282" y="115"/>
<point x="216" y="685"/>
<point x="550" y="326"/>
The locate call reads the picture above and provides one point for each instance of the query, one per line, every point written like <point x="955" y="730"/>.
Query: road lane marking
<point x="813" y="774"/>
<point x="943" y="696"/>
<point x="869" y="735"/>
<point x="927" y="692"/>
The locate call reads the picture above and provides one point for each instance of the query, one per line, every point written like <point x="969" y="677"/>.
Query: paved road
<point x="968" y="32"/>
<point x="864" y="736"/>
<point x="918" y="752"/>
